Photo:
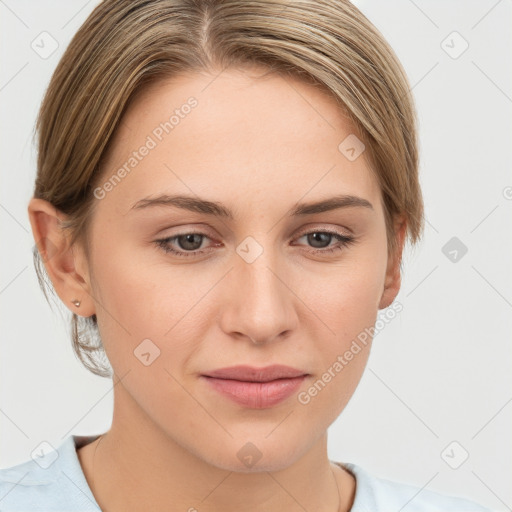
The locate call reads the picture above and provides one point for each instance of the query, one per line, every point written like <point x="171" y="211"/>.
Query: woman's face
<point x="251" y="284"/>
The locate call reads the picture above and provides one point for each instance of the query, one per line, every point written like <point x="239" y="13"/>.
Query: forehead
<point x="242" y="135"/>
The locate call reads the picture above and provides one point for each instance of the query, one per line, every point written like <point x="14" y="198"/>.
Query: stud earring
<point x="76" y="303"/>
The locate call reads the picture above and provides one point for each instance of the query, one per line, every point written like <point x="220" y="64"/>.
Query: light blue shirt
<point x="55" y="482"/>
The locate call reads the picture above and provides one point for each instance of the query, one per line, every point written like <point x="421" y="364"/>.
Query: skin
<point x="259" y="145"/>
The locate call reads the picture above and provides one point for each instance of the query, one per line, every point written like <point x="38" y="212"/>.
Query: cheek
<point x="346" y="299"/>
<point x="145" y="305"/>
<point x="126" y="301"/>
<point x="347" y="308"/>
<point x="130" y="289"/>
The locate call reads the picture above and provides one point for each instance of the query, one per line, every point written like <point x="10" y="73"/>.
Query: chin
<point x="246" y="456"/>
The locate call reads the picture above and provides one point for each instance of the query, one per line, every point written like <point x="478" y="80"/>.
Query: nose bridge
<point x="259" y="304"/>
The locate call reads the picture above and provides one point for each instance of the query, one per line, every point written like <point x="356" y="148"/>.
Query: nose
<point x="258" y="302"/>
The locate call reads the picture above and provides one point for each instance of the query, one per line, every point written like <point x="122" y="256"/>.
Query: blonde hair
<point x="124" y="46"/>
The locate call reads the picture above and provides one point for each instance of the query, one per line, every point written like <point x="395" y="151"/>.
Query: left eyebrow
<point x="196" y="204"/>
<point x="333" y="203"/>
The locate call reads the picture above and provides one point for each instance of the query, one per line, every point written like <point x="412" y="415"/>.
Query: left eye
<point x="327" y="236"/>
<point x="189" y="243"/>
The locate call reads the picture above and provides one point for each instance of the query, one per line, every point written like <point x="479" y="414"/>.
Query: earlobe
<point x="65" y="264"/>
<point x="392" y="280"/>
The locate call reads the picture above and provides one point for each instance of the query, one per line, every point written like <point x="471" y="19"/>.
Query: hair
<point x="126" y="45"/>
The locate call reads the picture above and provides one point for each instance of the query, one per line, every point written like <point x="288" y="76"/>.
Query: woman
<point x="223" y="195"/>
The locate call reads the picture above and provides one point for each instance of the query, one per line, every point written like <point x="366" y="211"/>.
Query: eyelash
<point x="343" y="240"/>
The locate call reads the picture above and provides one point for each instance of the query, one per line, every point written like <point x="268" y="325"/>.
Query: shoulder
<point x="378" y="494"/>
<point x="52" y="477"/>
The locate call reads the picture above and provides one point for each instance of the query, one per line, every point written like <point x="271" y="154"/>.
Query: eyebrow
<point x="196" y="204"/>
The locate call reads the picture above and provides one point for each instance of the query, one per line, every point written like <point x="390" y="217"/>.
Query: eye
<point x="187" y="242"/>
<point x="323" y="237"/>
<point x="190" y="243"/>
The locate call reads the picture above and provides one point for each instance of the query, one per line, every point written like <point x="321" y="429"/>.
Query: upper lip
<point x="252" y="374"/>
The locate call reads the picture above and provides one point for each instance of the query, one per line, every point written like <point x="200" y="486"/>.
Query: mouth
<point x="256" y="388"/>
<point x="251" y="374"/>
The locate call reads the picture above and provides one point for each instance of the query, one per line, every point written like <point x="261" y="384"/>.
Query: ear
<point x="66" y="265"/>
<point x="392" y="280"/>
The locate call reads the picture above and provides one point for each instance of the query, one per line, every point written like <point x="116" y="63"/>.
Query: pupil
<point x="315" y="237"/>
<point x="189" y="239"/>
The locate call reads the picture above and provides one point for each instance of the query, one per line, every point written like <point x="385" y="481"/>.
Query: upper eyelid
<point x="320" y="229"/>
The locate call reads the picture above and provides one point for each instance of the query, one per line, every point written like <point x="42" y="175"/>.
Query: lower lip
<point x="256" y="395"/>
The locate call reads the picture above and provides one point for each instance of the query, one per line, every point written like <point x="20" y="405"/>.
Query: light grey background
<point x="440" y="372"/>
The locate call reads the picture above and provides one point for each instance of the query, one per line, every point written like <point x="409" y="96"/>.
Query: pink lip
<point x="252" y="374"/>
<point x="257" y="388"/>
